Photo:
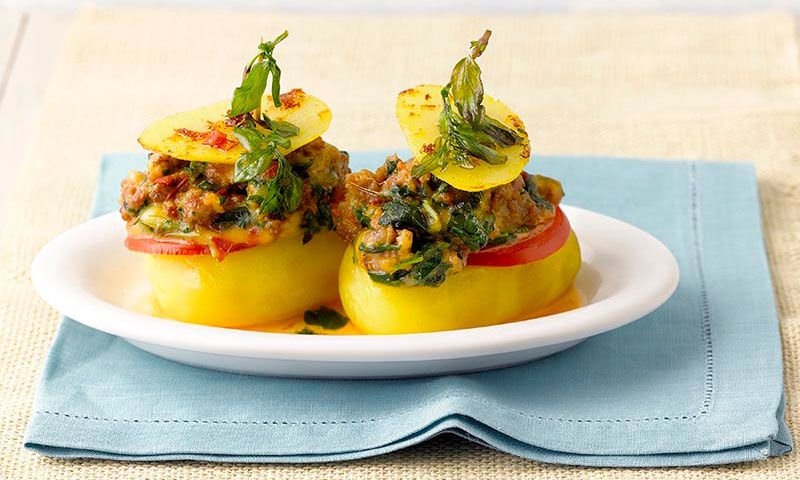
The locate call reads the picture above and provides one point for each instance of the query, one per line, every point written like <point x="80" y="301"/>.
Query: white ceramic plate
<point x="88" y="275"/>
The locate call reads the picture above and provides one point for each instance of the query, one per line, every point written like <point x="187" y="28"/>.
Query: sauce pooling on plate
<point x="147" y="304"/>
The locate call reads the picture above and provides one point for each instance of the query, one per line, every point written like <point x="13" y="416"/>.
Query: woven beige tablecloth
<point x="713" y="87"/>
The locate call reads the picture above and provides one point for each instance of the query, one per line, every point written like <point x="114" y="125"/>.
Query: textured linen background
<point x="717" y="87"/>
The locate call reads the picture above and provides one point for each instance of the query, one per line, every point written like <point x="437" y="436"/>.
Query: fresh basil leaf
<point x="247" y="96"/>
<point x="325" y="317"/>
<point x="294" y="191"/>
<point x="250" y="137"/>
<point x="252" y="164"/>
<point x="281" y="127"/>
<point x="467" y="89"/>
<point x="276" y="82"/>
<point x="281" y="194"/>
<point x="278" y="140"/>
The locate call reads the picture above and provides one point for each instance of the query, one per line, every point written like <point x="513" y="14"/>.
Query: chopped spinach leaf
<point x="432" y="269"/>
<point x="360" y="214"/>
<point x="325" y="317"/>
<point x="314" y="223"/>
<point x="238" y="217"/>
<point x="501" y="239"/>
<point x="402" y="215"/>
<point x="531" y="186"/>
<point x="464" y="225"/>
<point x="378" y="248"/>
<point x="393" y="278"/>
<point x="399" y="191"/>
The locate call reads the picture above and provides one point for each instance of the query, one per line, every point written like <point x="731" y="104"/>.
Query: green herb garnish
<point x="281" y="194"/>
<point x="281" y="127"/>
<point x="262" y="150"/>
<point x="325" y="317"/>
<point x="247" y="97"/>
<point x="467" y="134"/>
<point x="261" y="137"/>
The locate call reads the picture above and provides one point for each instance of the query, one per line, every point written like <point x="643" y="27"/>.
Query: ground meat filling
<point x="177" y="198"/>
<point x="416" y="231"/>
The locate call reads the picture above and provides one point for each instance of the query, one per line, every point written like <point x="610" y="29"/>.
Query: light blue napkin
<point x="697" y="382"/>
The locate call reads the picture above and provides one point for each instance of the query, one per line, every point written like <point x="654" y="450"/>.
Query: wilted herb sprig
<point x="262" y="137"/>
<point x="467" y="133"/>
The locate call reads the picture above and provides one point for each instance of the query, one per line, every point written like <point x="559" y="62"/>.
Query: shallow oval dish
<point x="87" y="274"/>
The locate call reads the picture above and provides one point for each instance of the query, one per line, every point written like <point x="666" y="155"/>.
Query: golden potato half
<point x="254" y="286"/>
<point x="307" y="112"/>
<point x="418" y="110"/>
<point x="475" y="297"/>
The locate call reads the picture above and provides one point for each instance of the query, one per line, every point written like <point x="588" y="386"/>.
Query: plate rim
<point x="451" y="344"/>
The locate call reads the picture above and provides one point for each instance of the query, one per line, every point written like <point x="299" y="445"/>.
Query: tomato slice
<point x="159" y="246"/>
<point x="526" y="250"/>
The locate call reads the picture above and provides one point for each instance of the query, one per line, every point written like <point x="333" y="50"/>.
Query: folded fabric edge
<point x="464" y="427"/>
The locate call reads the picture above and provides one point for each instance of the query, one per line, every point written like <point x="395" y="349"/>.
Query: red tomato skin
<point x="155" y="246"/>
<point x="525" y="250"/>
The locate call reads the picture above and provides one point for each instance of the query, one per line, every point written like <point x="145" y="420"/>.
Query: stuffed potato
<point x="459" y="236"/>
<point x="234" y="210"/>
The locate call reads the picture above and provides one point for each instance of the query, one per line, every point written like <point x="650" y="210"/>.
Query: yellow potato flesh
<point x="475" y="297"/>
<point x="254" y="286"/>
<point x="418" y="112"/>
<point x="308" y="113"/>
